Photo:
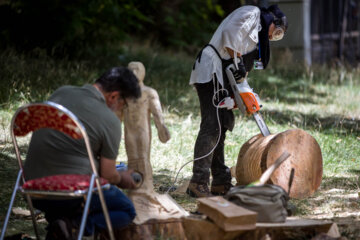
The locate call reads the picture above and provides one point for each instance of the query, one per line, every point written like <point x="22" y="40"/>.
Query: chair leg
<point x="103" y="205"/>
<point x="105" y="210"/>
<point x="86" y="208"/>
<point x="3" y="230"/>
<point x="28" y="199"/>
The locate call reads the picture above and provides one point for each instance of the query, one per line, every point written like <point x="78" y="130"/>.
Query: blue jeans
<point x="121" y="210"/>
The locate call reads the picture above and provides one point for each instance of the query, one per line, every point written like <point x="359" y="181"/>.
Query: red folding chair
<point x="31" y="118"/>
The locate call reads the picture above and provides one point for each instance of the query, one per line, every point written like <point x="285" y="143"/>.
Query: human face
<point x="116" y="101"/>
<point x="121" y="103"/>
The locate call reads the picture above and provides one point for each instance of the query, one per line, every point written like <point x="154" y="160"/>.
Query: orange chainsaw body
<point x="250" y="101"/>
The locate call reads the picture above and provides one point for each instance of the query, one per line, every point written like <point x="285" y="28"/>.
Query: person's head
<point x="117" y="85"/>
<point x="273" y="27"/>
<point x="138" y="69"/>
<point x="275" y="21"/>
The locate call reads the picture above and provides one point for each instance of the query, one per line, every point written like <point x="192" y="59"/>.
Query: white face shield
<point x="277" y="34"/>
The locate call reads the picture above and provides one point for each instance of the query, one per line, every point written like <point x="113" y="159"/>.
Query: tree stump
<point x="258" y="153"/>
<point x="152" y="229"/>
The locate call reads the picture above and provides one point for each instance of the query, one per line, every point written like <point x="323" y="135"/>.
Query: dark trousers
<point x="207" y="138"/>
<point x="121" y="210"/>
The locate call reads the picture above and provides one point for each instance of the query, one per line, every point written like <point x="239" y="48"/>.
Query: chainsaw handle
<point x="239" y="102"/>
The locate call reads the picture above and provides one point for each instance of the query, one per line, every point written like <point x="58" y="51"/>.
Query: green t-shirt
<point x="52" y="152"/>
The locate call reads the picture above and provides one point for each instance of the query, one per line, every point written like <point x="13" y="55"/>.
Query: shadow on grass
<point x="287" y="91"/>
<point x="337" y="200"/>
<point x="9" y="169"/>
<point x="355" y="171"/>
<point x="279" y="86"/>
<point x="348" y="227"/>
<point x="336" y="123"/>
<point x="7" y="162"/>
<point x="163" y="180"/>
<point x="346" y="183"/>
<point x="297" y="100"/>
<point x="8" y="172"/>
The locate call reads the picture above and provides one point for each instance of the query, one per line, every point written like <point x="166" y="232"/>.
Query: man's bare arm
<point x="108" y="171"/>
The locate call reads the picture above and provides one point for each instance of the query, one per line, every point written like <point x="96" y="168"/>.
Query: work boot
<point x="198" y="190"/>
<point x="62" y="229"/>
<point x="59" y="229"/>
<point x="220" y="190"/>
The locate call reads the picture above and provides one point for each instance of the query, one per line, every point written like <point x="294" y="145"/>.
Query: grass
<point x="328" y="110"/>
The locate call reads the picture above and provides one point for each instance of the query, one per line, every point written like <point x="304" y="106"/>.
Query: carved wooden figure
<point x="137" y="124"/>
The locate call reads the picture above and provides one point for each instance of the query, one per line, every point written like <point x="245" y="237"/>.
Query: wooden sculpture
<point x="137" y="123"/>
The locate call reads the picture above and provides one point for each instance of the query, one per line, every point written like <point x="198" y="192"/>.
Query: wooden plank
<point x="294" y="222"/>
<point x="227" y="215"/>
<point x="200" y="228"/>
<point x="293" y="229"/>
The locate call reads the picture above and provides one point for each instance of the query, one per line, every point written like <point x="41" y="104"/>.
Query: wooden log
<point x="258" y="153"/>
<point x="201" y="228"/>
<point x="158" y="216"/>
<point x="150" y="230"/>
<point x="294" y="229"/>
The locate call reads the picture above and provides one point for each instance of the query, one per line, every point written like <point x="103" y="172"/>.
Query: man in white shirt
<point x="245" y="35"/>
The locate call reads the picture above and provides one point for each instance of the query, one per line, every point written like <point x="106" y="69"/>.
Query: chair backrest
<point x="34" y="116"/>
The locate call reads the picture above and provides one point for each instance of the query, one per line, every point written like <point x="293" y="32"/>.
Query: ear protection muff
<point x="281" y="25"/>
<point x="277" y="34"/>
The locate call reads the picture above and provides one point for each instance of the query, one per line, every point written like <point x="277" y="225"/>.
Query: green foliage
<point x="69" y="27"/>
<point x="188" y="23"/>
<point x="32" y="77"/>
<point x="169" y="74"/>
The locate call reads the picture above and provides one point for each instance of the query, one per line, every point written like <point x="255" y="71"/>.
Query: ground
<point x="336" y="200"/>
<point x="328" y="110"/>
<point x="333" y="202"/>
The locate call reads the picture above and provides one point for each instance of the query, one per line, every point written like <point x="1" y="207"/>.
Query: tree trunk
<point x="258" y="153"/>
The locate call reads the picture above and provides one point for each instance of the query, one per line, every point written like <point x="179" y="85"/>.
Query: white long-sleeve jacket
<point x="239" y="32"/>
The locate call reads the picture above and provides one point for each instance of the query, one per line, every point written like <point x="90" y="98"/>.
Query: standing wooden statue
<point x="155" y="213"/>
<point x="137" y="124"/>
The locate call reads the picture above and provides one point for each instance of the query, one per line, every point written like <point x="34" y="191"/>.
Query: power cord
<point x="217" y="106"/>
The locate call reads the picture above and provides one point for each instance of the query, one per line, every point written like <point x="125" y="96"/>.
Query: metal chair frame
<point x="58" y="194"/>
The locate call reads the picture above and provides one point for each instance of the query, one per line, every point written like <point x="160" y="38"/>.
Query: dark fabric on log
<point x="269" y="201"/>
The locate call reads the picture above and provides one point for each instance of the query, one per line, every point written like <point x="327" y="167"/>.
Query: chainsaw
<point x="245" y="99"/>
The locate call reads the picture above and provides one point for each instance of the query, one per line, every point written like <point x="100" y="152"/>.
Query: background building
<point x="320" y="31"/>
